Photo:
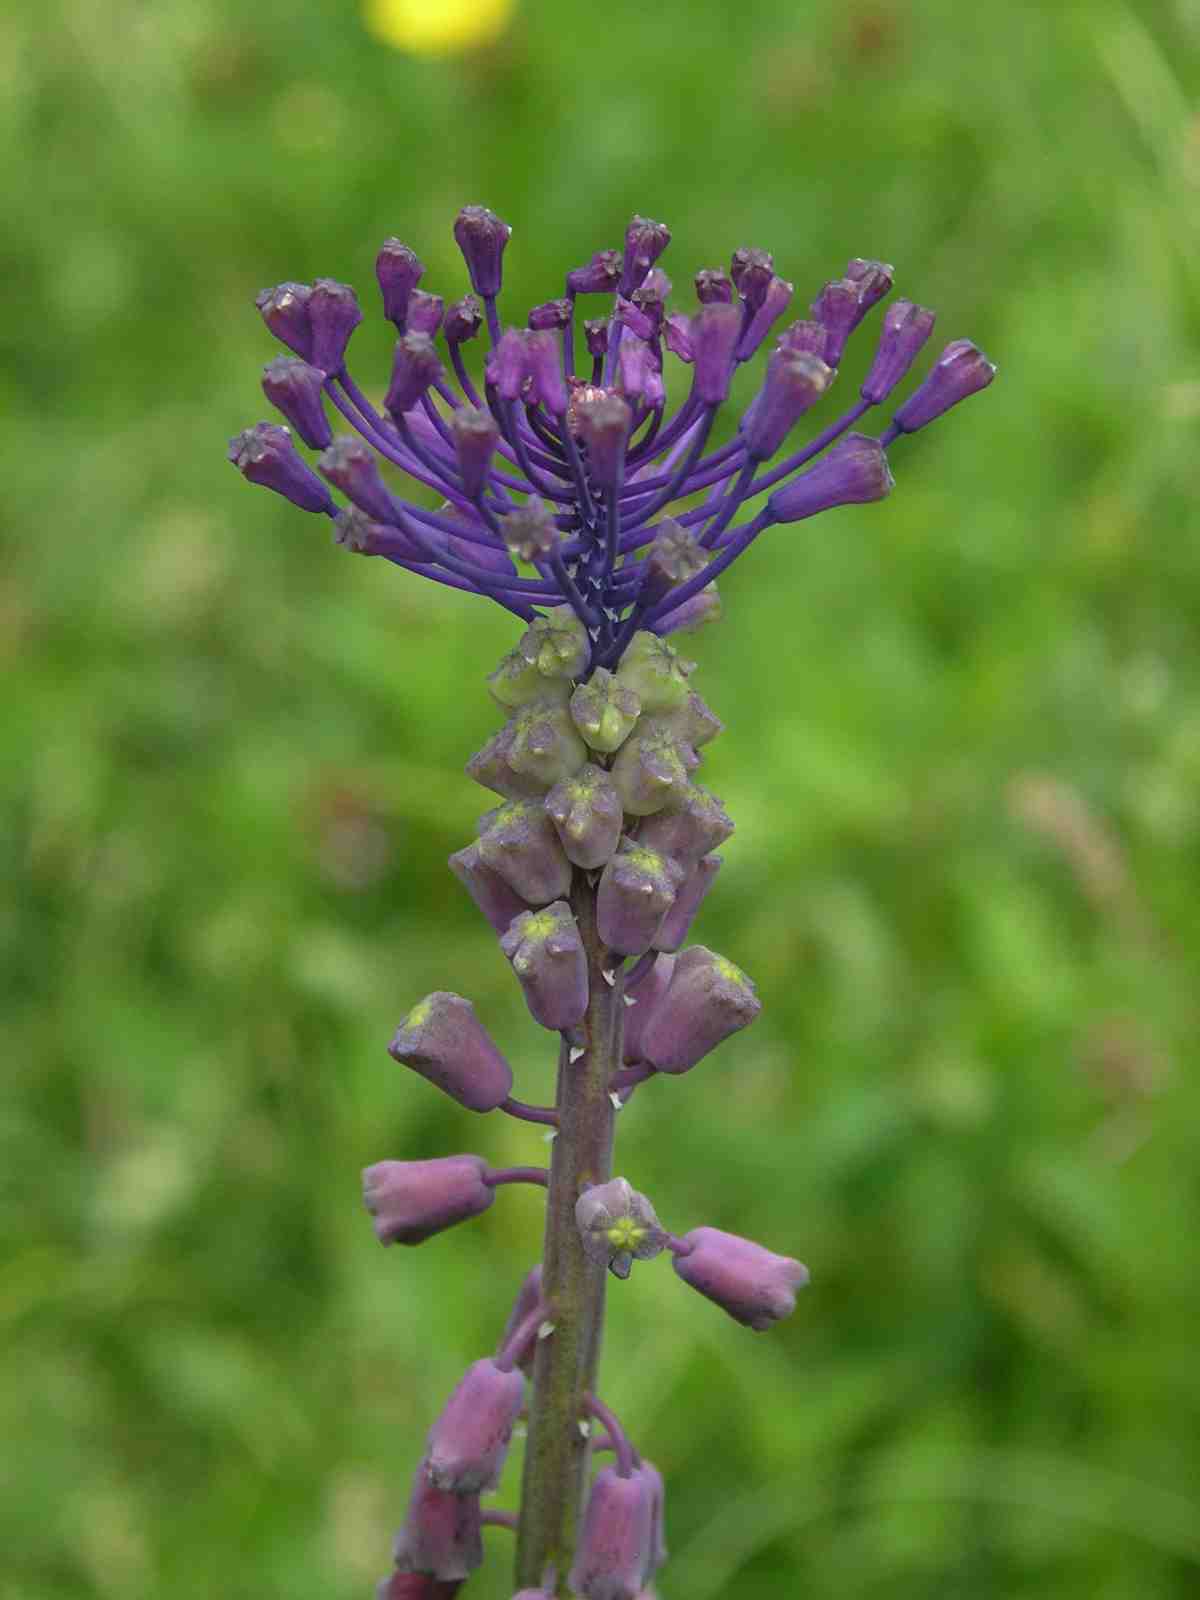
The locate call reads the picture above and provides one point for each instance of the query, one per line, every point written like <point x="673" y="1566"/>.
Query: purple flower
<point x="265" y="454"/>
<point x="333" y="315"/>
<point x="481" y="237"/>
<point x="905" y="329"/>
<point x="399" y="270"/>
<point x="960" y="370"/>
<point x="586" y="812"/>
<point x="616" y="1545"/>
<point x="637" y="889"/>
<point x="491" y="894"/>
<point x="754" y="1286"/>
<point x="469" y="1440"/>
<point x="518" y="841"/>
<point x="641" y="1002"/>
<point x="676" y="925"/>
<point x="854" y="471"/>
<point x="441" y="1534"/>
<point x="708" y="1000"/>
<point x="295" y="388"/>
<point x="548" y="958"/>
<point x="618" y="1226"/>
<point x="413" y="1200"/>
<point x="443" y="1040"/>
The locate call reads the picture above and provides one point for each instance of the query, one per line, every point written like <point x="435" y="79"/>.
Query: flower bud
<point x="675" y="556"/>
<point x="655" y="672"/>
<point x="959" y="371"/>
<point x="285" y="311"/>
<point x="639" y="322"/>
<point x="481" y="237"/>
<point x="645" y="241"/>
<point x="714" y="287"/>
<point x="544" y="365"/>
<point x="553" y="314"/>
<point x="469" y="1440"/>
<point x="529" y="1297"/>
<point x="333" y="315"/>
<point x="354" y="530"/>
<point x="543" y="743"/>
<point x="792" y="385"/>
<point x="586" y="813"/>
<point x="463" y="320"/>
<point x="601" y="275"/>
<point x="677" y="331"/>
<point x="441" y="1534"/>
<point x="492" y="769"/>
<point x="604" y="710"/>
<point x="614" y="1548"/>
<point x="754" y="1286"/>
<point x="399" y="270"/>
<point x="519" y="842"/>
<point x="475" y="436"/>
<point x="602" y="420"/>
<point x="548" y="958"/>
<point x="265" y="454"/>
<point x="413" y="1200"/>
<point x="517" y="680"/>
<point x="639" y="377"/>
<point x="695" y="723"/>
<point x="425" y="313"/>
<point x="874" y="280"/>
<point x="295" y="388"/>
<point x="651" y="769"/>
<point x="557" y="644"/>
<point x="774" y="303"/>
<point x="752" y="271"/>
<point x="854" y="471"/>
<point x="676" y="925"/>
<point x="351" y="467"/>
<point x="637" y="889"/>
<point x="708" y="1000"/>
<point x="804" y="338"/>
<point x="643" y="998"/>
<point x="697" y="825"/>
<point x="443" y="1040"/>
<point x="693" y="614"/>
<point x="905" y="329"/>
<point x="487" y="888"/>
<point x="715" y="330"/>
<point x="617" y="1226"/>
<point x="595" y="334"/>
<point x="837" y="309"/>
<point x="530" y="531"/>
<point x="415" y="365"/>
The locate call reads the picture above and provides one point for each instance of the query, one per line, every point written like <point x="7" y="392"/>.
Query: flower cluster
<point x="600" y="851"/>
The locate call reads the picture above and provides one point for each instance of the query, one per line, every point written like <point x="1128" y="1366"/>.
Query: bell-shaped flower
<point x="754" y="1286"/>
<point x="518" y="841"/>
<point x="529" y="1297"/>
<point x="676" y="925"/>
<point x="557" y="644"/>
<point x="586" y="812"/>
<point x="548" y="958"/>
<point x="441" y="1534"/>
<point x="640" y="1002"/>
<point x="637" y="889"/>
<point x="615" y="1545"/>
<point x="652" y="767"/>
<point x="494" y="898"/>
<point x="655" y="671"/>
<point x="698" y="824"/>
<point x="412" y="1200"/>
<point x="443" y="1040"/>
<point x="708" y="1000"/>
<point x="469" y="1441"/>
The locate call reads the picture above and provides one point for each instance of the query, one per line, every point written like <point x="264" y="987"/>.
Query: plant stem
<point x="556" y="1454"/>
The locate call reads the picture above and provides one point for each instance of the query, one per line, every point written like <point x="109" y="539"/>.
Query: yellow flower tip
<point x="437" y="27"/>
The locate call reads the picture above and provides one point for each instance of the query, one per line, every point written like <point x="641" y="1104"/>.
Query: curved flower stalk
<point x="558" y="483"/>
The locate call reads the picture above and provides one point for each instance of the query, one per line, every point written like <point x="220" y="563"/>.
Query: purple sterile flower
<point x="518" y="841"/>
<point x="586" y="812"/>
<point x="551" y="314"/>
<point x="752" y="271"/>
<point x="481" y="236"/>
<point x="425" y="312"/>
<point x="463" y="320"/>
<point x="874" y="280"/>
<point x="285" y="311"/>
<point x="548" y="958"/>
<point x="415" y="1586"/>
<point x="265" y="454"/>
<point x="645" y="241"/>
<point x="605" y="710"/>
<point x="443" y="1040"/>
<point x="530" y="531"/>
<point x="804" y="338"/>
<point x="793" y="384"/>
<point x="639" y="373"/>
<point x="843" y="303"/>
<point x="469" y="1441"/>
<point x="754" y="1286"/>
<point x="333" y="315"/>
<point x="854" y="471"/>
<point x="959" y="371"/>
<point x="615" y="1546"/>
<point x="412" y="1200"/>
<point x="355" y="530"/>
<point x="602" y="420"/>
<point x="774" y="303"/>
<point x="905" y="329"/>
<point x="399" y="271"/>
<point x="640" y="1003"/>
<point x="350" y="467"/>
<point x="601" y="275"/>
<point x="714" y="332"/>
<point x="637" y="889"/>
<point x="697" y="824"/>
<point x="415" y="366"/>
<point x="595" y="334"/>
<point x="677" y="331"/>
<point x="543" y="362"/>
<point x="475" y="436"/>
<point x="296" y="389"/>
<point x="714" y="285"/>
<point x="498" y="903"/>
<point x="708" y="1000"/>
<point x="675" y="926"/>
<point x="441" y="1533"/>
<point x="618" y="1226"/>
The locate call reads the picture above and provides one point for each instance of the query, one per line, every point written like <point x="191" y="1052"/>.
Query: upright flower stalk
<point x="560" y="485"/>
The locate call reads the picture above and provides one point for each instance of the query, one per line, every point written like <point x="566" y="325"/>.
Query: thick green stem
<point x="556" y="1454"/>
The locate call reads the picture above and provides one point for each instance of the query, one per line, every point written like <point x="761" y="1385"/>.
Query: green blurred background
<point x="963" y="752"/>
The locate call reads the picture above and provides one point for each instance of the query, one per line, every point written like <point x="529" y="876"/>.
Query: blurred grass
<point x="963" y="751"/>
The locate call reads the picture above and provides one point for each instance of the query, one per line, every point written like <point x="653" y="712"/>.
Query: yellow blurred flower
<point x="437" y="27"/>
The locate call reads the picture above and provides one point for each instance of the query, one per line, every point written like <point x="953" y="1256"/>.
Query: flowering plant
<point x="556" y="492"/>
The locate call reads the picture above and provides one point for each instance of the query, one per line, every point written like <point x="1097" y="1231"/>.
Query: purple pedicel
<point x="443" y="1040"/>
<point x="959" y="371"/>
<point x="615" y="1547"/>
<point x="529" y="1297"/>
<point x="441" y="1533"/>
<point x="754" y="1286"/>
<point x="708" y="1000"/>
<point x="413" y="1200"/>
<point x="548" y="958"/>
<point x="297" y="390"/>
<point x="640" y="1003"/>
<point x="470" y="1439"/>
<point x="676" y="925"/>
<point x="498" y="903"/>
<point x="265" y="454"/>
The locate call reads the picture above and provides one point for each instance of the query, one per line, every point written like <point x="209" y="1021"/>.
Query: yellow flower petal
<point x="437" y="27"/>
